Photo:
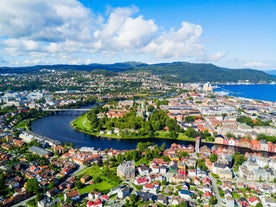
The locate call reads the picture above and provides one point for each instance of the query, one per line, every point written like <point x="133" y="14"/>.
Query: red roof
<point x="141" y="180"/>
<point x="208" y="194"/>
<point x="181" y="172"/>
<point x="93" y="203"/>
<point x="149" y="185"/>
<point x="252" y="199"/>
<point x="104" y="197"/>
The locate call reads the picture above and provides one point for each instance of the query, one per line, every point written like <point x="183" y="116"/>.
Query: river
<point x="58" y="127"/>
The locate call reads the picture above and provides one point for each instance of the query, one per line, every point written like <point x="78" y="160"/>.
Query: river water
<point x="58" y="127"/>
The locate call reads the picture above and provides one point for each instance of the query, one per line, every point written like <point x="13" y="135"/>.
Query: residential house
<point x="46" y="202"/>
<point x="123" y="192"/>
<point x="245" y="173"/>
<point x="94" y="195"/>
<point x="186" y="194"/>
<point x="85" y="179"/>
<point x="126" y="170"/>
<point x="140" y="181"/>
<point x="52" y="192"/>
<point x="191" y="173"/>
<point x="253" y="201"/>
<point x="145" y="196"/>
<point x="151" y="187"/>
<point x="143" y="170"/>
<point x="205" y="150"/>
<point x="96" y="203"/>
<point x="163" y="169"/>
<point x="243" y="202"/>
<point x="229" y="201"/>
<point x="72" y="195"/>
<point x="245" y="143"/>
<point x="225" y="173"/>
<point x="270" y="146"/>
<point x="255" y="144"/>
<point x="263" y="145"/>
<point x="162" y="199"/>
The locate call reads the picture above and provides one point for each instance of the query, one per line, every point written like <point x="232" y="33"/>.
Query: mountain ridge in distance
<point x="174" y="72"/>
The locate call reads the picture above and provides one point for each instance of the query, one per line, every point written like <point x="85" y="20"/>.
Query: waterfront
<point x="264" y="92"/>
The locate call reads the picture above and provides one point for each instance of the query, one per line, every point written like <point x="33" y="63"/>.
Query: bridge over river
<point x="67" y="111"/>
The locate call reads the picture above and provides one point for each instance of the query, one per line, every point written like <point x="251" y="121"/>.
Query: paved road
<point x="215" y="187"/>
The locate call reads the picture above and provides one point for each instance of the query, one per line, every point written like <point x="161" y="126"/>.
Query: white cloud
<point x="180" y="43"/>
<point x="124" y="32"/>
<point x="50" y="21"/>
<point x="256" y="64"/>
<point x="65" y="31"/>
<point x="214" y="57"/>
<point x="217" y="56"/>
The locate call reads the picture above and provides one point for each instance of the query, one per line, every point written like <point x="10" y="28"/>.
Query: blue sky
<point x="235" y="34"/>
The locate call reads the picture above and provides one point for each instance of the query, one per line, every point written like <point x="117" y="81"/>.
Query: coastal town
<point x="228" y="160"/>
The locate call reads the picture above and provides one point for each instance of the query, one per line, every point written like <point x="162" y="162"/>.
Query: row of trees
<point x="267" y="138"/>
<point x="250" y="122"/>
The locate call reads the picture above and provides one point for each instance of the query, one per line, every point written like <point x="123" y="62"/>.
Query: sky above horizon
<point x="227" y="33"/>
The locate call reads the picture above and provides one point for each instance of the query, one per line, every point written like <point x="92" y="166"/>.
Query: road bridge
<point x="67" y="111"/>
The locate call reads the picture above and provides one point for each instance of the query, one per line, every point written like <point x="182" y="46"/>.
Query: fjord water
<point x="266" y="92"/>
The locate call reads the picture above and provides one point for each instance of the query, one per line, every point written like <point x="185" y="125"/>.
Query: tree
<point x="184" y="154"/>
<point x="201" y="164"/>
<point x="212" y="201"/>
<point x="229" y="135"/>
<point x="183" y="204"/>
<point x="79" y="184"/>
<point x="150" y="108"/>
<point x="213" y="158"/>
<point x="259" y="205"/>
<point x="189" y="119"/>
<point x="238" y="158"/>
<point x="191" y="132"/>
<point x="38" y="196"/>
<point x="32" y="186"/>
<point x="51" y="185"/>
<point x="173" y="135"/>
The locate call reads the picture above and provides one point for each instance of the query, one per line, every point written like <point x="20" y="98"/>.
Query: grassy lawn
<point x="143" y="160"/>
<point x="111" y="136"/>
<point x="81" y="122"/>
<point x="182" y="136"/>
<point x="89" y="171"/>
<point x="23" y="124"/>
<point x="163" y="134"/>
<point x="236" y="195"/>
<point x="103" y="186"/>
<point x="107" y="181"/>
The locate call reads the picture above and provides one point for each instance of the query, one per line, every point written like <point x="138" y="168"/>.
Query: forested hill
<point x="175" y="72"/>
<point x="193" y="72"/>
